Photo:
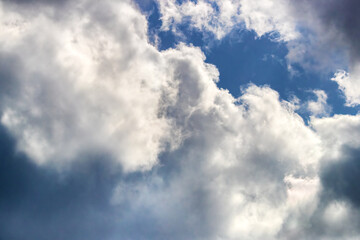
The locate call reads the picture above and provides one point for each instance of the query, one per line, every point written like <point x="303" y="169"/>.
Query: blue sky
<point x="168" y="119"/>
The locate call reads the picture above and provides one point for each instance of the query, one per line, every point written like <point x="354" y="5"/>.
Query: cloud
<point x="340" y="179"/>
<point x="336" y="132"/>
<point x="220" y="17"/>
<point x="349" y="85"/>
<point x="320" y="35"/>
<point x="319" y="107"/>
<point x="336" y="198"/>
<point x="121" y="139"/>
<point x="76" y="91"/>
<point x="35" y="2"/>
<point x="317" y="28"/>
<point x="333" y="28"/>
<point x="232" y="174"/>
<point x="340" y="17"/>
<point x="72" y="205"/>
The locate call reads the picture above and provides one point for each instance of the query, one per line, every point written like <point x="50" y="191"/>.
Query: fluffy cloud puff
<point x="82" y="82"/>
<point x="319" y="107"/>
<point x="220" y="17"/>
<point x="83" y="78"/>
<point x="238" y="171"/>
<point x="349" y="84"/>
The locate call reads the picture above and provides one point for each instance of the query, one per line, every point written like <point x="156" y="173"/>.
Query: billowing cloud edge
<point x="243" y="164"/>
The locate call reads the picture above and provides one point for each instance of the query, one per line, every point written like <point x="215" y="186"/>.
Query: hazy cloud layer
<point x="105" y="137"/>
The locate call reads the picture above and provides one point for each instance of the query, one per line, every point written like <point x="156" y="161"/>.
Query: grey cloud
<point x="326" y="223"/>
<point x="31" y="2"/>
<point x="337" y="213"/>
<point x="38" y="203"/>
<point x="41" y="203"/>
<point x="10" y="67"/>
<point x="331" y="37"/>
<point x="54" y="8"/>
<point x="343" y="17"/>
<point x="341" y="179"/>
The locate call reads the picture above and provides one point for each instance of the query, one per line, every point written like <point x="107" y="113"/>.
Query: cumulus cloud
<point x="196" y="162"/>
<point x="82" y="85"/>
<point x="237" y="172"/>
<point x="220" y="17"/>
<point x="319" y="107"/>
<point x="336" y="132"/>
<point x="338" y="196"/>
<point x="349" y="85"/>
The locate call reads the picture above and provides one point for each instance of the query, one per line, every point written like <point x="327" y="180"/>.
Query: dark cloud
<point x="341" y="179"/>
<point x="337" y="213"/>
<point x="39" y="203"/>
<point x="10" y="66"/>
<point x="343" y="15"/>
<point x="76" y="203"/>
<point x="338" y="16"/>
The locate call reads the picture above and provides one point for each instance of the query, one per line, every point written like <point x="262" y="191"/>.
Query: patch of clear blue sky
<point x="244" y="58"/>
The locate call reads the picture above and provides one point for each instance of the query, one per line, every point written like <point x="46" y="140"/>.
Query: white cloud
<point x="349" y="84"/>
<point x="319" y="107"/>
<point x="336" y="132"/>
<point x="89" y="81"/>
<point x="201" y="15"/>
<point x="84" y="85"/>
<point x="268" y="16"/>
<point x="235" y="169"/>
<point x="220" y="17"/>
